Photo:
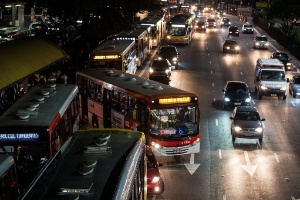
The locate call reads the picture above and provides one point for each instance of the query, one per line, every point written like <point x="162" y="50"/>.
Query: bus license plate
<point x="177" y="151"/>
<point x="273" y="95"/>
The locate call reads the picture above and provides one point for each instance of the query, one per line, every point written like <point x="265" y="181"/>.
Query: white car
<point x="247" y="28"/>
<point x="261" y="41"/>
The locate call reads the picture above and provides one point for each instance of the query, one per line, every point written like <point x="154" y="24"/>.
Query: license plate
<point x="177" y="150"/>
<point x="237" y="104"/>
<point x="273" y="95"/>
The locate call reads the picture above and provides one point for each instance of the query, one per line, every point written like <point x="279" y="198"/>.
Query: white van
<point x="269" y="78"/>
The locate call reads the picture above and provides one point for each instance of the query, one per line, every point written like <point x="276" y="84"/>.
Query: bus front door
<point x="107" y="109"/>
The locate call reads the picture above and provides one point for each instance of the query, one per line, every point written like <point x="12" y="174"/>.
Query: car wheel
<point x="233" y="138"/>
<point x="284" y="97"/>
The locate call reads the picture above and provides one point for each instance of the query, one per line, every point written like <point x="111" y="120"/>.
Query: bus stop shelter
<point x="24" y="57"/>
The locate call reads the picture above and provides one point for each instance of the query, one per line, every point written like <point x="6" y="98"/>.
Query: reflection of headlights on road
<point x="167" y="71"/>
<point x="263" y="87"/>
<point x="283" y="88"/>
<point x="247" y="100"/>
<point x="174" y="59"/>
<point x="226" y="99"/>
<point x="237" y="48"/>
<point x="259" y="130"/>
<point x="237" y="128"/>
<point x="151" y="70"/>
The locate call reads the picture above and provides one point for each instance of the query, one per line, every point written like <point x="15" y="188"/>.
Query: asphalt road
<point x="223" y="170"/>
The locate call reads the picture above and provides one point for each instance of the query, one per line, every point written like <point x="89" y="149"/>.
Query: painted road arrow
<point x="249" y="168"/>
<point x="191" y="167"/>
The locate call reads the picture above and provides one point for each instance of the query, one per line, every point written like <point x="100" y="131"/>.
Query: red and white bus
<point x="111" y="98"/>
<point x="35" y="127"/>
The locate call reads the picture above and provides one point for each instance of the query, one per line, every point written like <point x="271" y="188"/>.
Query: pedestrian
<point x="64" y="78"/>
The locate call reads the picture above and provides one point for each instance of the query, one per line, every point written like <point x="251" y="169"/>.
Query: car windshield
<point x="230" y="42"/>
<point x="246" y="115"/>
<point x="225" y="20"/>
<point x="281" y="56"/>
<point x="262" y="38"/>
<point x="237" y="89"/>
<point x="173" y="123"/>
<point x="210" y="20"/>
<point x="297" y="81"/>
<point x="160" y="65"/>
<point x="168" y="50"/>
<point x="248" y="26"/>
<point x="272" y="76"/>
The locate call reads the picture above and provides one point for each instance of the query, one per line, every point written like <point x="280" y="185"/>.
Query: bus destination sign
<point x="19" y="137"/>
<point x="175" y="100"/>
<point x="106" y="57"/>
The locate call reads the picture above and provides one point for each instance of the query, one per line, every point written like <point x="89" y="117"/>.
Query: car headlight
<point x="248" y="100"/>
<point x="226" y="99"/>
<point x="229" y="22"/>
<point x="174" y="59"/>
<point x="237" y="48"/>
<point x="283" y="88"/>
<point x="256" y="43"/>
<point x="157" y="146"/>
<point x="151" y="70"/>
<point x="259" y="130"/>
<point x="167" y="71"/>
<point x="168" y="37"/>
<point x="159" y="58"/>
<point x="237" y="128"/>
<point x="288" y="64"/>
<point x="155" y="179"/>
<point x="263" y="87"/>
<point x="227" y="47"/>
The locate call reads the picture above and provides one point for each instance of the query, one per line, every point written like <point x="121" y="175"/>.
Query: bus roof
<point x="129" y="82"/>
<point x="269" y="61"/>
<point x="114" y="46"/>
<point x="39" y="106"/>
<point x="150" y="20"/>
<point x="135" y="33"/>
<point x="6" y="161"/>
<point x="91" y="165"/>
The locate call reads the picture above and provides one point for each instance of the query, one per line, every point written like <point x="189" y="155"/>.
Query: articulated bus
<point x="181" y="29"/>
<point x="9" y="189"/>
<point x="97" y="164"/>
<point x="117" y="54"/>
<point x="34" y="127"/>
<point x="158" y="27"/>
<point x="111" y="98"/>
<point x="141" y="38"/>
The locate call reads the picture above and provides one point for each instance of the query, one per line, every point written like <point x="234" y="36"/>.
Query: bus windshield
<point x="173" y="123"/>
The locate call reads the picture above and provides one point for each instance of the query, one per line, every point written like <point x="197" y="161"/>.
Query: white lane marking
<point x="276" y="157"/>
<point x="217" y="122"/>
<point x="220" y="154"/>
<point x="209" y="62"/>
<point x="242" y="73"/>
<point x="211" y="72"/>
<point x="253" y="102"/>
<point x="293" y="103"/>
<point x="214" y="99"/>
<point x="213" y="84"/>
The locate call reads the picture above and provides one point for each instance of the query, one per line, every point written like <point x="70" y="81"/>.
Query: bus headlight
<point x="263" y="87"/>
<point x="155" y="145"/>
<point x="196" y="141"/>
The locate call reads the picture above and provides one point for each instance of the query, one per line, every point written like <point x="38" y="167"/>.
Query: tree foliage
<point x="286" y="10"/>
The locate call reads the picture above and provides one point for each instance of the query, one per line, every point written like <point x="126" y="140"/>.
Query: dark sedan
<point x="233" y="30"/>
<point x="236" y="93"/>
<point x="294" y="86"/>
<point x="230" y="45"/>
<point x="169" y="52"/>
<point x="284" y="58"/>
